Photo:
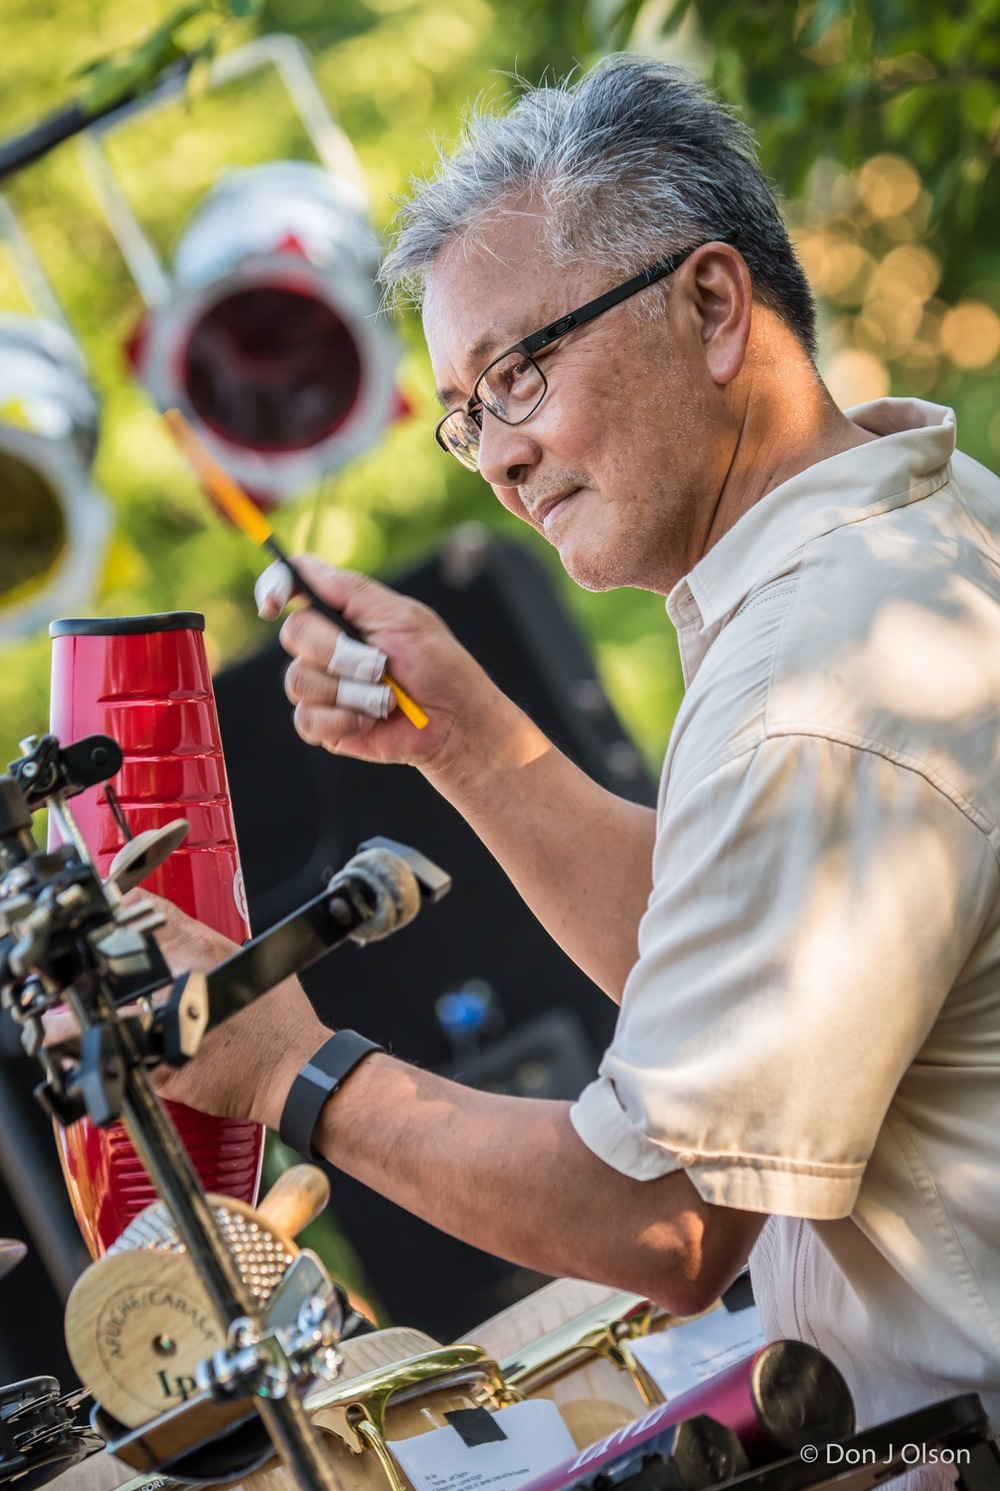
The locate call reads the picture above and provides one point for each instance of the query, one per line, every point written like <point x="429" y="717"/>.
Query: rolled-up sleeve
<point x="813" y="904"/>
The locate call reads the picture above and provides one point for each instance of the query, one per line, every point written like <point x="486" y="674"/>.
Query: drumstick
<point x="231" y="500"/>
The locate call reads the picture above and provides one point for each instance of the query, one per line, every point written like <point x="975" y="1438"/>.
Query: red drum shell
<point x="145" y="681"/>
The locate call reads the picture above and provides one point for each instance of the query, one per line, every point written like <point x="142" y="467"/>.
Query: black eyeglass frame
<point x="538" y="340"/>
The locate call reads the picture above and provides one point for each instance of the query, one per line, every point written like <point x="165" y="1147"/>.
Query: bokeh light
<point x="970" y="334"/>
<point x="855" y="376"/>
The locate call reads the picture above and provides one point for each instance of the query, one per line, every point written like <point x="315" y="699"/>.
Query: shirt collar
<point x="910" y="461"/>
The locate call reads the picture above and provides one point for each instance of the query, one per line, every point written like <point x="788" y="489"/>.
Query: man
<point x="804" y="937"/>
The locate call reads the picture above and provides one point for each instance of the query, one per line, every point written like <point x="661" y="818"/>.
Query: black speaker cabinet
<point x="522" y="1018"/>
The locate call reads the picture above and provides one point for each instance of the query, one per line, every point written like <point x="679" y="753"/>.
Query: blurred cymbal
<point x="11" y="1252"/>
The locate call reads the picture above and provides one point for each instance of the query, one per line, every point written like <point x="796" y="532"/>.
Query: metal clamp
<point x="355" y="1410"/>
<point x="606" y="1331"/>
<point x="266" y="1361"/>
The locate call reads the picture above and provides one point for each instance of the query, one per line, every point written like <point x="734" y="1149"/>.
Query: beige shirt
<point x="812" y="1028"/>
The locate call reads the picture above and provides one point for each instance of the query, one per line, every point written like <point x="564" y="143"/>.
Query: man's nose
<point x="506" y="452"/>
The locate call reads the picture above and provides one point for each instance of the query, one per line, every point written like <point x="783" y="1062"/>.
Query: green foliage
<point x="879" y="120"/>
<point x="852" y="78"/>
<point x="134" y="69"/>
<point x="838" y="94"/>
<point x="397" y="75"/>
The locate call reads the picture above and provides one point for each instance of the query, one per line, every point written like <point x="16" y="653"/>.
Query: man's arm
<point x="578" y="855"/>
<point x="509" y="1175"/>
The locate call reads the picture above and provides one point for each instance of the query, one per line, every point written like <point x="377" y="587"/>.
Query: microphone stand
<point x="65" y="934"/>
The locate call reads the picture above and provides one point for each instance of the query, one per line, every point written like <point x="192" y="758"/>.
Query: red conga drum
<point x="144" y="680"/>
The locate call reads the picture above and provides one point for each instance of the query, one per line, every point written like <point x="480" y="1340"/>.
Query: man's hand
<point x="328" y="683"/>
<point x="572" y="849"/>
<point x="245" y="1066"/>
<point x="188" y="946"/>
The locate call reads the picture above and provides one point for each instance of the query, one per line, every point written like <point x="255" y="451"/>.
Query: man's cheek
<point x="508" y="497"/>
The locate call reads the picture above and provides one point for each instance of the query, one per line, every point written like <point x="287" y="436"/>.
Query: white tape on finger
<point x="273" y="589"/>
<point x="367" y="698"/>
<point x="351" y="659"/>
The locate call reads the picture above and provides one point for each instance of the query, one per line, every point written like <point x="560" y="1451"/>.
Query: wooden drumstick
<point x="231" y="500"/>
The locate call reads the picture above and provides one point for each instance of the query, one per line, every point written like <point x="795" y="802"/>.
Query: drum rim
<point x="127" y="626"/>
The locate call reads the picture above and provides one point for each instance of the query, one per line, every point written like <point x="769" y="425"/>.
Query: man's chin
<point x="589" y="571"/>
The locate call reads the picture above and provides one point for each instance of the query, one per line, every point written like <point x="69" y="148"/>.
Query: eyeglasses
<point x="513" y="385"/>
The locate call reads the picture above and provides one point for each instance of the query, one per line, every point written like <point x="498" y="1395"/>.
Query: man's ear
<point x="718" y="284"/>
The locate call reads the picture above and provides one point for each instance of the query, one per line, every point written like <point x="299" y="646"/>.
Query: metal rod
<point x="286" y="948"/>
<point x="32" y="276"/>
<point x="297" y="1440"/>
<point x="67" y="826"/>
<point x="169" y="1166"/>
<point x="290" y="1429"/>
<point x="137" y="249"/>
<point x="156" y="1141"/>
<point x="291" y="61"/>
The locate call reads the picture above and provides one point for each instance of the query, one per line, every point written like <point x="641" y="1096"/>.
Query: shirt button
<point x="686" y="1158"/>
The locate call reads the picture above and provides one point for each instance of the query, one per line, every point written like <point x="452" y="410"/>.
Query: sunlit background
<point x="879" y="123"/>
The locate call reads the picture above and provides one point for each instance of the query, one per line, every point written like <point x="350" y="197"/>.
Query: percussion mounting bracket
<point x="68" y="937"/>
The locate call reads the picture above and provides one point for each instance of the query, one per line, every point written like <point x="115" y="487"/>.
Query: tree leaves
<point x="126" y="73"/>
<point x="838" y="76"/>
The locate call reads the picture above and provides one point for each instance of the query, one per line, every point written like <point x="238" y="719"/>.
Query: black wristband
<point x="321" y="1076"/>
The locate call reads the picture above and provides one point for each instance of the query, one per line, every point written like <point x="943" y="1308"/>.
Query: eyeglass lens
<point x="511" y="388"/>
<point x="459" y="434"/>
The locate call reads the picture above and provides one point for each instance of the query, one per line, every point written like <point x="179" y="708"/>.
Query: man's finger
<point x="359" y="660"/>
<point x="308" y="635"/>
<point x="326" y="727"/>
<point x="364" y="698"/>
<point x="273" y="590"/>
<point x="59" y="1025"/>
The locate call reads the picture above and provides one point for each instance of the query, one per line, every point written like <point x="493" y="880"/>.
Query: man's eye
<point x="510" y="379"/>
<point x="524" y="381"/>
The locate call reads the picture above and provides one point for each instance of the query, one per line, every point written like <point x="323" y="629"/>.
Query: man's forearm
<point x="506" y="1174"/>
<point x="511" y="1176"/>
<point x="579" y="856"/>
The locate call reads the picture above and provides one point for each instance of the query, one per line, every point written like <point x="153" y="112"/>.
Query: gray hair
<point x="629" y="163"/>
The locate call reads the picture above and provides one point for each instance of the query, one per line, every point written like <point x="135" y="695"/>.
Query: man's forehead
<point x="474" y="356"/>
<point x="482" y="300"/>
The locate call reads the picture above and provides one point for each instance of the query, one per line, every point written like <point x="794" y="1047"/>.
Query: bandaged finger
<point x="351" y="659"/>
<point x="273" y="589"/>
<point x="373" y="699"/>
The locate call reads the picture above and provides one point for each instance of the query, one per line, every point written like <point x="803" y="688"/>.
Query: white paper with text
<point x="680" y="1358"/>
<point x="440" y="1460"/>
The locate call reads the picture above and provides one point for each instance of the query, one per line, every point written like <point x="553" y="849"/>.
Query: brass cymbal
<point x="11" y="1252"/>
